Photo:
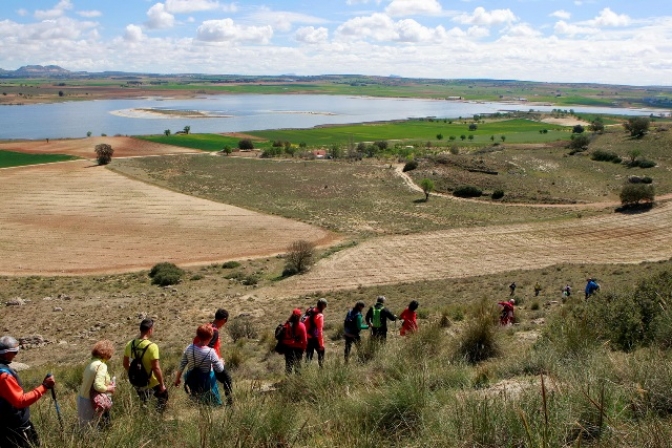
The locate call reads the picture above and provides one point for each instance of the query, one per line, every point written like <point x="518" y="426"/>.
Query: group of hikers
<point x="201" y="367"/>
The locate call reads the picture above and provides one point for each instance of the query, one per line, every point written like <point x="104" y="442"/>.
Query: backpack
<point x="308" y="320"/>
<point x="280" y="336"/>
<point x="196" y="381"/>
<point x="350" y="324"/>
<point x="376" y="316"/>
<point x="137" y="374"/>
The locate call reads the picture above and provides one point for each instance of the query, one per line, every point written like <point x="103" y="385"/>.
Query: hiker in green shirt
<point x="377" y="318"/>
<point x="353" y="325"/>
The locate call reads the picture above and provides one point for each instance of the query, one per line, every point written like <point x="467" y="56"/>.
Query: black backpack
<point x="350" y="324"/>
<point x="137" y="374"/>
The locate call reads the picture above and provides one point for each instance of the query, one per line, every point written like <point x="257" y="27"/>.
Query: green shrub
<point x="479" y="339"/>
<point x="230" y="265"/>
<point x="644" y="163"/>
<point x="164" y="274"/>
<point x="245" y="143"/>
<point x="467" y="191"/>
<point x="497" y="194"/>
<point x="633" y="194"/>
<point x="605" y="156"/>
<point x="410" y="165"/>
<point x="241" y="327"/>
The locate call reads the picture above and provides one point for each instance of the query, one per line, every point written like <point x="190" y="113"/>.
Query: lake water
<point x="236" y="113"/>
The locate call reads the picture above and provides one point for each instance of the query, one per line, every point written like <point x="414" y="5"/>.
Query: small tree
<point x="638" y="126"/>
<point x="88" y="134"/>
<point x="245" y="143"/>
<point x="187" y="129"/>
<point x="463" y="137"/>
<point x="227" y="150"/>
<point x="300" y="257"/>
<point x="471" y="136"/>
<point x="597" y="125"/>
<point x="439" y="136"/>
<point x="104" y="153"/>
<point x="633" y="154"/>
<point x="473" y="126"/>
<point x="503" y="137"/>
<point x="166" y="132"/>
<point x="633" y="194"/>
<point x="579" y="142"/>
<point x="427" y="186"/>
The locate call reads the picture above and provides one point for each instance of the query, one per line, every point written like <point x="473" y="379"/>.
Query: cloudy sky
<point x="607" y="41"/>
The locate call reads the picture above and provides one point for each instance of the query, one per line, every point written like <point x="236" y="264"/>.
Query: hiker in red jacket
<point x="506" y="316"/>
<point x="314" y="322"/>
<point x="409" y="319"/>
<point x="295" y="341"/>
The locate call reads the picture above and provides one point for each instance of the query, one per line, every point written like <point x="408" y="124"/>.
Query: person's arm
<point x="390" y="315"/>
<point x="303" y="337"/>
<point x="100" y="380"/>
<point x="156" y="368"/>
<point x="369" y="316"/>
<point x="14" y="394"/>
<point x="183" y="365"/>
<point x="319" y="325"/>
<point x="360" y="322"/>
<point x="127" y="363"/>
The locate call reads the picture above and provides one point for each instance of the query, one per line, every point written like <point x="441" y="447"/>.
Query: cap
<point x="297" y="312"/>
<point x="322" y="301"/>
<point x="380" y="299"/>
<point x="8" y="345"/>
<point x="512" y="301"/>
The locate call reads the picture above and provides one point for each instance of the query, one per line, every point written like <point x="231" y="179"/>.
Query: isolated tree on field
<point x="300" y="257"/>
<point x="471" y="136"/>
<point x="579" y="142"/>
<point x="187" y="129"/>
<point x="427" y="186"/>
<point x="473" y="126"/>
<point x="597" y="125"/>
<point x="104" y="153"/>
<point x="439" y="136"/>
<point x="503" y="137"/>
<point x="245" y="143"/>
<point x="633" y="154"/>
<point x="637" y="126"/>
<point x="88" y="134"/>
<point x="577" y="129"/>
<point x="227" y="150"/>
<point x="633" y="194"/>
<point x="463" y="137"/>
<point x="166" y="132"/>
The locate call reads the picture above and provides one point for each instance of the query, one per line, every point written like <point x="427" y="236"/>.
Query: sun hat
<point x="8" y="345"/>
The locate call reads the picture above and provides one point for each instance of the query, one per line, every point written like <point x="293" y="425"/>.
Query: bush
<point x="644" y="163"/>
<point x="410" y="165"/>
<point x="605" y="156"/>
<point x="497" y="194"/>
<point x="579" y="142"/>
<point x="479" y="339"/>
<point x="230" y="265"/>
<point x="578" y="129"/>
<point x="300" y="257"/>
<point x="104" y="153"/>
<point x="241" y="327"/>
<point x="473" y="126"/>
<point x="165" y="274"/>
<point x="637" y="126"/>
<point x="633" y="194"/>
<point x="467" y="191"/>
<point x="245" y="143"/>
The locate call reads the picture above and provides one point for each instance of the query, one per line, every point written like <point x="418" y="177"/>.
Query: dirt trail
<point x="617" y="238"/>
<point x="71" y="218"/>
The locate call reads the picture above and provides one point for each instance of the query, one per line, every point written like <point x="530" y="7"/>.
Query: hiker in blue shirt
<point x="591" y="287"/>
<point x="377" y="318"/>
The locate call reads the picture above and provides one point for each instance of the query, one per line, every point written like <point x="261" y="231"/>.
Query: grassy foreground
<point x="555" y="379"/>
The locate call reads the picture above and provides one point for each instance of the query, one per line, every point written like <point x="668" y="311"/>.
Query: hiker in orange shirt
<point x="409" y="319"/>
<point x="295" y="340"/>
<point x="314" y="322"/>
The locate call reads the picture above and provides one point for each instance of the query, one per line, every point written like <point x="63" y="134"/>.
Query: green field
<point x="519" y="131"/>
<point x="10" y="158"/>
<point x="204" y="142"/>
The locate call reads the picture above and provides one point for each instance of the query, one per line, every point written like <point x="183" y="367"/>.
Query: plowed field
<point x="123" y="147"/>
<point x="617" y="238"/>
<point x="71" y="218"/>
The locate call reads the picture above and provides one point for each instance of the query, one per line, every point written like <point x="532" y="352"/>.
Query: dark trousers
<point x="314" y="346"/>
<point x="379" y="334"/>
<point x="293" y="358"/>
<point x="225" y="378"/>
<point x="161" y="397"/>
<point x="349" y="340"/>
<point x="25" y="437"/>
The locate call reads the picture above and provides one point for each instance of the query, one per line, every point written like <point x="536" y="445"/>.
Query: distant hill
<point x="36" y="71"/>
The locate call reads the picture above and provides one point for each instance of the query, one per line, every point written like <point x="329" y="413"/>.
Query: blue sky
<point x="606" y="41"/>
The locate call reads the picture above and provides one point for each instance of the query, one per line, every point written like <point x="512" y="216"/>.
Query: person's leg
<point x="161" y="399"/>
<point x="227" y="382"/>
<point x="289" y="354"/>
<point x="310" y="350"/>
<point x="348" y="346"/>
<point x="320" y="357"/>
<point x="296" y="361"/>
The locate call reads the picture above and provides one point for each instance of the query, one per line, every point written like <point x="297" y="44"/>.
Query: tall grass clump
<point x="480" y="339"/>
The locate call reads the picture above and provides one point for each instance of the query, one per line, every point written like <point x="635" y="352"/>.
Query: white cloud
<point x="380" y="27"/>
<point x="227" y="31"/>
<point x="402" y="8"/>
<point x="133" y="33"/>
<point x="478" y="32"/>
<point x="522" y="30"/>
<point x="311" y="35"/>
<point x="561" y="14"/>
<point x="564" y="28"/>
<point x="158" y="17"/>
<point x="609" y="18"/>
<point x="56" y="11"/>
<point x="89" y="14"/>
<point x="283" y="20"/>
<point x="189" y="6"/>
<point x="482" y="17"/>
<point x="356" y="2"/>
<point x="22" y="12"/>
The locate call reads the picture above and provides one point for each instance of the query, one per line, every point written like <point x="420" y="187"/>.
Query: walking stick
<point x="56" y="405"/>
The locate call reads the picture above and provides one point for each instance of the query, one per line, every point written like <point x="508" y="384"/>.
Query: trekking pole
<point x="56" y="405"/>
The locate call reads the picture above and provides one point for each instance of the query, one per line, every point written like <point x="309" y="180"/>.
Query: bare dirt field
<point x="616" y="238"/>
<point x="72" y="218"/>
<point x="123" y="147"/>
